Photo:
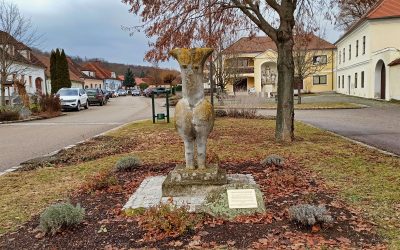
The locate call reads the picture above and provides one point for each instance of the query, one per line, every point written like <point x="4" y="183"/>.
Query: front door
<point x="383" y="82"/>
<point x="38" y="84"/>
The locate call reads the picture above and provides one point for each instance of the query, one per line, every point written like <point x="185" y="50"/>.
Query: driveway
<point x="23" y="141"/>
<point x="377" y="125"/>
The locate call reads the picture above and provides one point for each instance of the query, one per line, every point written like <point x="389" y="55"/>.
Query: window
<point x="343" y="82"/>
<point x="364" y="44"/>
<point x="350" y="52"/>
<point x="30" y="81"/>
<point x="355" y="80"/>
<point x="321" y="59"/>
<point x="99" y="85"/>
<point x="319" y="80"/>
<point x="344" y="55"/>
<point x="91" y="85"/>
<point x="362" y="79"/>
<point x="95" y="85"/>
<point x="338" y="82"/>
<point x="23" y="78"/>
<point x="357" y="48"/>
<point x="340" y="57"/>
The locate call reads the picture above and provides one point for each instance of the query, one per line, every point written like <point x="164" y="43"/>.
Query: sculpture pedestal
<point x="189" y="182"/>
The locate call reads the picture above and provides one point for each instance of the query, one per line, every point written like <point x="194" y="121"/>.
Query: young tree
<point x="351" y="11"/>
<point x="129" y="79"/>
<point x="55" y="55"/>
<point x="16" y="34"/>
<point x="59" y="71"/>
<point x="308" y="52"/>
<point x="182" y="23"/>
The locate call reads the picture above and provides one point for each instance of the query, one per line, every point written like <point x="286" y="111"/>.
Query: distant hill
<point x="118" y="68"/>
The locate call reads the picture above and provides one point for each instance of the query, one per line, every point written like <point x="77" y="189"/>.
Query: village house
<point x="368" y="58"/>
<point x="97" y="76"/>
<point x="251" y="64"/>
<point x="25" y="67"/>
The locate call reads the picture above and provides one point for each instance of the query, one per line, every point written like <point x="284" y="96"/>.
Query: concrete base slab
<point x="149" y="193"/>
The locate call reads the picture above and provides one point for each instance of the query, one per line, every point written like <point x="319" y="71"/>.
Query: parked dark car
<point x="107" y="93"/>
<point x="148" y="92"/>
<point x="96" y="96"/>
<point x="160" y="91"/>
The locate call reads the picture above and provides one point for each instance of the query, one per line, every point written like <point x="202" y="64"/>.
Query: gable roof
<point x="45" y="60"/>
<point x="75" y="73"/>
<point x="381" y="10"/>
<point x="99" y="69"/>
<point x="263" y="43"/>
<point x="6" y="38"/>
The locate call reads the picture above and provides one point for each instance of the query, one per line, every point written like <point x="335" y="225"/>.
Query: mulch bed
<point x="95" y="148"/>
<point x="282" y="187"/>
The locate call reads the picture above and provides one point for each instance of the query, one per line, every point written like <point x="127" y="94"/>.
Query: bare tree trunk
<point x="285" y="112"/>
<point x="3" y="89"/>
<point x="299" y="91"/>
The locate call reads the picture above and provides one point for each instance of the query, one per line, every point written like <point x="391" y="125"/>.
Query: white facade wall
<point x="382" y="44"/>
<point x="112" y="84"/>
<point x="347" y="68"/>
<point x="31" y="73"/>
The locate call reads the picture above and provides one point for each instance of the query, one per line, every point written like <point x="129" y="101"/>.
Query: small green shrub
<point x="59" y="216"/>
<point x="143" y="86"/>
<point x="128" y="164"/>
<point x="167" y="220"/>
<point x="309" y="215"/>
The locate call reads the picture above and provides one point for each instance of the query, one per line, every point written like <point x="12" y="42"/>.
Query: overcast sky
<point x="92" y="28"/>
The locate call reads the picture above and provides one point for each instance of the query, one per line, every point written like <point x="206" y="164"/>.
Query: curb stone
<point x="36" y="118"/>
<point x="12" y="169"/>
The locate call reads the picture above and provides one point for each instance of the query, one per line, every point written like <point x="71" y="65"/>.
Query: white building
<point x="367" y="54"/>
<point x="24" y="66"/>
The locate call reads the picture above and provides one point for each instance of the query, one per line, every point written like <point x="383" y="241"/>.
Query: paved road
<point x="378" y="125"/>
<point x="23" y="141"/>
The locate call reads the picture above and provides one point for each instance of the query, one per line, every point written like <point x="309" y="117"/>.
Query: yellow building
<point x="251" y="66"/>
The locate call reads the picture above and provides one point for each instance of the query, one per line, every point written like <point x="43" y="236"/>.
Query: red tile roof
<point x="139" y="80"/>
<point x="6" y="38"/>
<point x="261" y="44"/>
<point x="382" y="9"/>
<point x="75" y="73"/>
<point x="385" y="9"/>
<point x="97" y="67"/>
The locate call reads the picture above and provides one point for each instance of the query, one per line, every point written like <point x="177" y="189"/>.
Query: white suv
<point x="73" y="98"/>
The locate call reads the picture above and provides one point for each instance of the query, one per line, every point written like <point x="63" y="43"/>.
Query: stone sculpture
<point x="194" y="115"/>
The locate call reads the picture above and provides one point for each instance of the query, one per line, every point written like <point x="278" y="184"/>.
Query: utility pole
<point x="211" y="57"/>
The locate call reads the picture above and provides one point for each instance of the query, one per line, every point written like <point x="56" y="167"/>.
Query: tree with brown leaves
<point x="186" y="23"/>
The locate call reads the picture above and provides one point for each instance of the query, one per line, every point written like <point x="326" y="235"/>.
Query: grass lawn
<point x="303" y="106"/>
<point x="367" y="180"/>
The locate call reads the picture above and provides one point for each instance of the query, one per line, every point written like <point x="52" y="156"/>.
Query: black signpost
<point x="160" y="116"/>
